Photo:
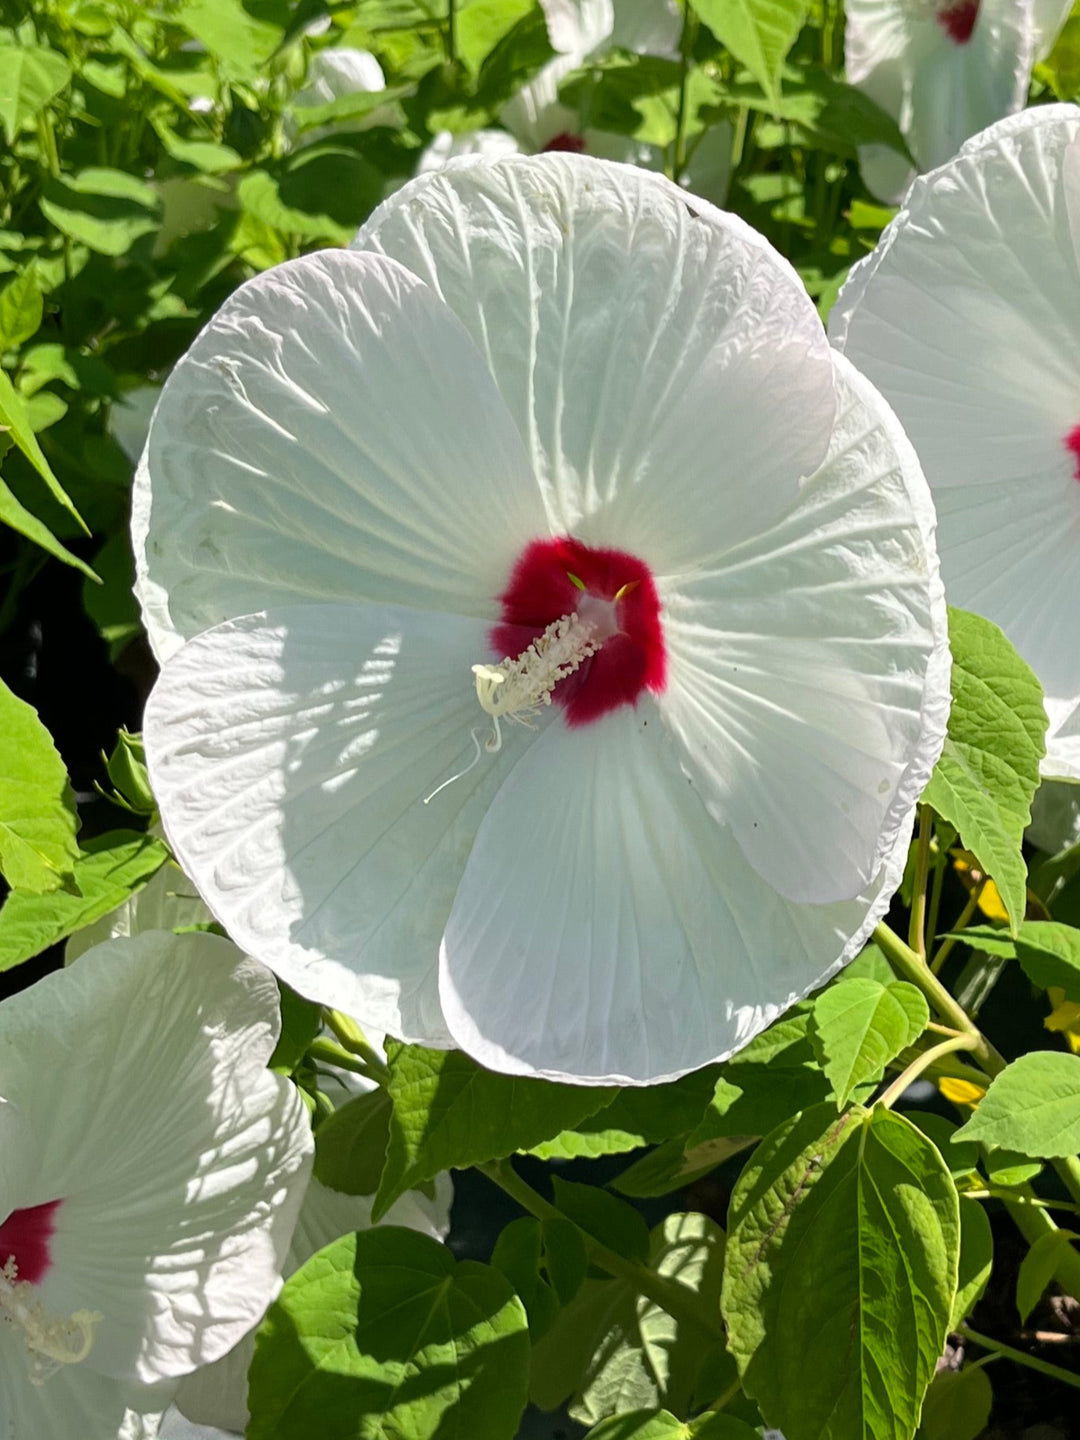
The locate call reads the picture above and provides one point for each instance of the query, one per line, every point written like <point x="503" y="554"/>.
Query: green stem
<point x="941" y="863"/>
<point x="964" y="920"/>
<point x="1056" y="1372"/>
<point x="921" y="1063"/>
<point x="355" y="1042"/>
<point x="686" y="45"/>
<point x="993" y="1193"/>
<point x="912" y="967"/>
<point x="1068" y="1168"/>
<point x="681" y="1303"/>
<point x="917" y="927"/>
<point x="726" y="1396"/>
<point x="451" y="31"/>
<point x="330" y="1054"/>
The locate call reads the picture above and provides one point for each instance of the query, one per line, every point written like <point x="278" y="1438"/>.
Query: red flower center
<point x="609" y="590"/>
<point x="25" y="1236"/>
<point x="565" y="141"/>
<point x="1072" y="442"/>
<point x="958" y="19"/>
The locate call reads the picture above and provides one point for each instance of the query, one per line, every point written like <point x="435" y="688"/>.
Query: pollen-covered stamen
<point x="519" y="688"/>
<point x="51" y="1341"/>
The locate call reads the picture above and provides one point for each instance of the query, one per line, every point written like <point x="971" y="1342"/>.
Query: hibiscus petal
<point x="308" y="446"/>
<point x="808" y="671"/>
<point x="290" y="754"/>
<point x="665" y="367"/>
<point x="179" y="1161"/>
<point x="74" y="1404"/>
<point x="966" y="318"/>
<point x="607" y="930"/>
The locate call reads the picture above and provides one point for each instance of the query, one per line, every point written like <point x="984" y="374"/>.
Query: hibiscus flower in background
<point x="967" y="317"/>
<point x="557" y="411"/>
<point x="536" y="120"/>
<point x="215" y="1395"/>
<point x="944" y="69"/>
<point x="153" y="1172"/>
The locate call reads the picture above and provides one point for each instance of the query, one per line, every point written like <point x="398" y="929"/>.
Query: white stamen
<point x="51" y="1341"/>
<point x="519" y="688"/>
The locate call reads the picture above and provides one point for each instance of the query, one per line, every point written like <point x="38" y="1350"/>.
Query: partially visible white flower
<point x="561" y="411"/>
<point x="332" y="74"/>
<point x="1055" y="816"/>
<point x="967" y="318"/>
<point x="152" y="1173"/>
<point x="944" y="69"/>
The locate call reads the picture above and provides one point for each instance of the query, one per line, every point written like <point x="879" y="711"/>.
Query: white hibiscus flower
<point x="944" y="69"/>
<point x="555" y="410"/>
<point x="215" y="1395"/>
<point x="152" y="1173"/>
<point x="967" y="316"/>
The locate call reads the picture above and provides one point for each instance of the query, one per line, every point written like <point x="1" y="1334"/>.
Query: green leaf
<point x="106" y="210"/>
<point x="1038" y="1268"/>
<point x="671" y="1167"/>
<point x="207" y="156"/>
<point x="989" y="769"/>
<point x="20" y="310"/>
<point x="111" y="605"/>
<point x="957" y="1405"/>
<point x="860" y="1025"/>
<point x="13" y="417"/>
<point x="518" y="1254"/>
<point x="613" y="1350"/>
<point x="662" y="1425"/>
<point x="1032" y="1107"/>
<point x="301" y="1021"/>
<point x="840" y="1274"/>
<point x="962" y="1160"/>
<point x="356" y="105"/>
<point x="385" y="1335"/>
<point x="825" y="113"/>
<point x="30" y="76"/>
<point x="38" y="822"/>
<point x="259" y="195"/>
<point x="450" y="1113"/>
<point x="976" y="1260"/>
<point x="13" y="513"/>
<point x="109" y="869"/>
<point x="759" y="33"/>
<point x="1048" y="951"/>
<point x="752" y="1099"/>
<point x="232" y="33"/>
<point x="604" y="1216"/>
<point x="639" y="1115"/>
<point x="350" y="1145"/>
